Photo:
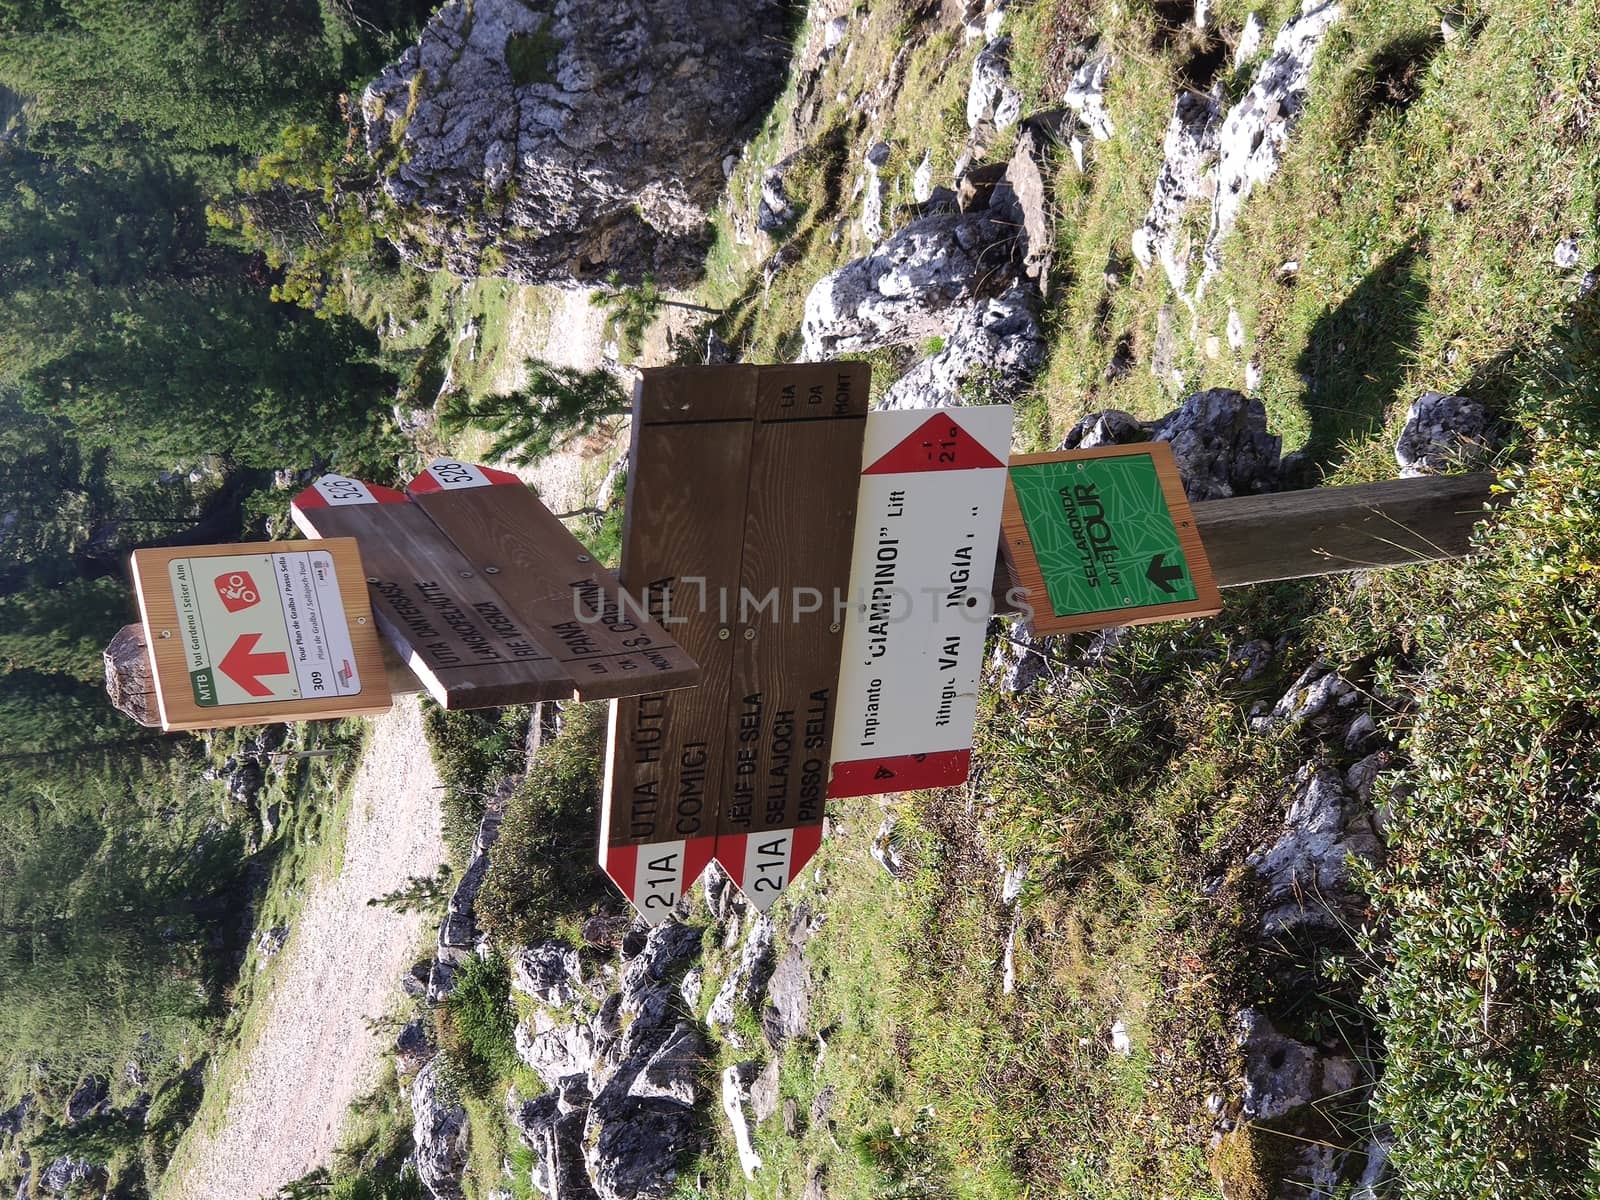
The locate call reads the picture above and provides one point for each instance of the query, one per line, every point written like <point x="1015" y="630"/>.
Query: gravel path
<point x="342" y="966"/>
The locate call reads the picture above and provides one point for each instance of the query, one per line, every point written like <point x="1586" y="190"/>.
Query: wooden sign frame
<point x="741" y="500"/>
<point x="1028" y="577"/>
<point x="158" y="609"/>
<point x="430" y="602"/>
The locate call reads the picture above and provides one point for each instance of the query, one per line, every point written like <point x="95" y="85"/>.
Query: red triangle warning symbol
<point x="939" y="444"/>
<point x="883" y="773"/>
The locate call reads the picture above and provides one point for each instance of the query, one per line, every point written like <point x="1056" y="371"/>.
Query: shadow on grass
<point x="1389" y="82"/>
<point x="1355" y="358"/>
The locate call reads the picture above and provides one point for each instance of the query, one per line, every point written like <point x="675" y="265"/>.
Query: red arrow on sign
<point x="245" y="667"/>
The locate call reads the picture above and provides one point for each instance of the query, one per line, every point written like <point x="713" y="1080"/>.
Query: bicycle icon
<point x="237" y="590"/>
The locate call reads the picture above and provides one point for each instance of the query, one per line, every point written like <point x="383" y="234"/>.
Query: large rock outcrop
<point x="1188" y="151"/>
<point x="557" y="141"/>
<point x="909" y="288"/>
<point x="950" y="279"/>
<point x="1219" y="438"/>
<point x="458" y="932"/>
<point x="439" y="1133"/>
<point x="624" y="1077"/>
<point x="1255" y="133"/>
<point x="1209" y="157"/>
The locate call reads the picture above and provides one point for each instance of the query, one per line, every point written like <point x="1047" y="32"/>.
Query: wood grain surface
<point x="798" y="539"/>
<point x="1328" y="530"/>
<point x="674" y="395"/>
<point x="682" y="545"/>
<point x="1325" y="531"/>
<point x="550" y="583"/>
<point x="451" y="627"/>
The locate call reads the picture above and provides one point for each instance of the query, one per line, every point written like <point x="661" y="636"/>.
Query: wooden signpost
<point x="919" y="599"/>
<point x="550" y="583"/>
<point x="682" y="549"/>
<point x="800" y="612"/>
<point x="1105" y="537"/>
<point x="450" y="627"/>
<point x="548" y="624"/>
<point x="804" y="476"/>
<point x="269" y="631"/>
<point x="740" y="511"/>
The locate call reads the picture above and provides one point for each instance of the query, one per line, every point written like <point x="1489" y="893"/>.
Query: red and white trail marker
<point x="927" y="528"/>
<point x="652" y="875"/>
<point x="339" y="491"/>
<point x="763" y="864"/>
<point x="449" y="474"/>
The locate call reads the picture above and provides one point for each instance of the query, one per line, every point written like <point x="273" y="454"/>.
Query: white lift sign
<point x="927" y="529"/>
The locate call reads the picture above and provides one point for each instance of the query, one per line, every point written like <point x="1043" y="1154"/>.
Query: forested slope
<point x="150" y="389"/>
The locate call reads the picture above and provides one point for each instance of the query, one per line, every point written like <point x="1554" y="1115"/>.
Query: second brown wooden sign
<point x="740" y="510"/>
<point x="487" y="596"/>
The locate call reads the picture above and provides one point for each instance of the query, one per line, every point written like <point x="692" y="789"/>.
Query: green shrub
<point x="169" y="1114"/>
<point x="1490" y="992"/>
<point x="475" y="1026"/>
<point x="530" y="56"/>
<point x="553" y="408"/>
<point x="384" y="1184"/>
<point x="473" y="751"/>
<point x="543" y="866"/>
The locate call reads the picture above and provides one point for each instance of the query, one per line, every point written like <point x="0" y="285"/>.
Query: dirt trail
<point x="342" y="966"/>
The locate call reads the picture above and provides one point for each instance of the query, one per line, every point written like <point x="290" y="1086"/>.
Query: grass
<point x="928" y="113"/>
<point x="1487" y="961"/>
<point x="1420" y="199"/>
<point x="997" y="1094"/>
<point x="413" y="310"/>
<point x="531" y="56"/>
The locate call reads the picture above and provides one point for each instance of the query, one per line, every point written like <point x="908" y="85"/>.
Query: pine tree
<point x="634" y="309"/>
<point x="556" y="405"/>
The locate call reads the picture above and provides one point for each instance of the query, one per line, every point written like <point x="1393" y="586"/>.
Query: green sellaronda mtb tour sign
<point x="1104" y="537"/>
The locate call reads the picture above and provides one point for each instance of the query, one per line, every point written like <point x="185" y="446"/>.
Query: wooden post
<point x="129" y="680"/>
<point x="1328" y="531"/>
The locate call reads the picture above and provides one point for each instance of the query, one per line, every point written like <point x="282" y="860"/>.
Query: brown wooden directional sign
<point x="259" y="632"/>
<point x="549" y="584"/>
<point x="449" y="625"/>
<point x="741" y="505"/>
<point x="799" y="526"/>
<point x="682" y="547"/>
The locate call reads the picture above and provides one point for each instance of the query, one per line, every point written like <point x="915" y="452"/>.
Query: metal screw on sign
<point x="491" y="570"/>
<point x="749" y="635"/>
<point x="361" y="620"/>
<point x="373" y="579"/>
<point x="465" y="574"/>
<point x="166" y="633"/>
<point x="834" y="628"/>
<point x="584" y="558"/>
<point x="722" y="634"/>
